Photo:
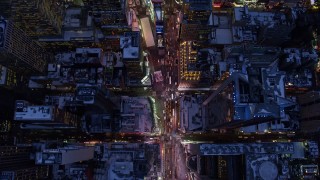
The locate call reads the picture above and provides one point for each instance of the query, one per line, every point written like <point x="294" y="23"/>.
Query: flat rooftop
<point x="136" y="114"/>
<point x="190" y="113"/>
<point x="34" y="113"/>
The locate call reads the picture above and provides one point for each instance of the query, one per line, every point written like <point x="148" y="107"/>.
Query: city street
<point x="173" y="151"/>
<point x="159" y="89"/>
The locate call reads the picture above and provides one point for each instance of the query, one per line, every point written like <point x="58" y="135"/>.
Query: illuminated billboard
<point x="147" y="32"/>
<point x="160" y="43"/>
<point x="159" y="29"/>
<point x="158" y="12"/>
<point x="26" y="112"/>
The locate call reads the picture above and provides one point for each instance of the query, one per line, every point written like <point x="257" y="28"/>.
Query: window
<point x="271" y="81"/>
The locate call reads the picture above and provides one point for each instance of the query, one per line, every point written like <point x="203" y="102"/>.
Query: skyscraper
<point x="15" y="163"/>
<point x="18" y="51"/>
<point x="36" y="17"/>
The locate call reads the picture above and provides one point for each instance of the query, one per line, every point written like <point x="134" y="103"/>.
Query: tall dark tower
<point x="36" y="17"/>
<point x="15" y="163"/>
<point x="18" y="51"/>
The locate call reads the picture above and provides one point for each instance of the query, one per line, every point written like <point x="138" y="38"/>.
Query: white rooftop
<point x="35" y="113"/>
<point x="190" y="113"/>
<point x="136" y="114"/>
<point x="120" y="158"/>
<point x="129" y="51"/>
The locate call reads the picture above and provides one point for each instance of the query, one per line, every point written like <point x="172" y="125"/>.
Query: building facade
<point x="19" y="52"/>
<point x="16" y="163"/>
